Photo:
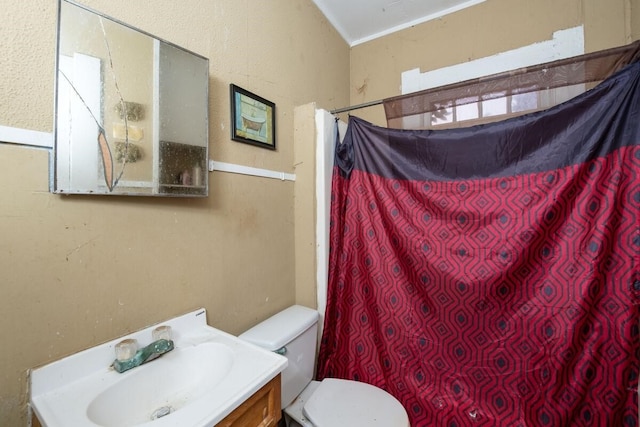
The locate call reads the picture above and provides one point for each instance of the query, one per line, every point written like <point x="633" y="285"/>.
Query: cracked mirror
<point x="131" y="110"/>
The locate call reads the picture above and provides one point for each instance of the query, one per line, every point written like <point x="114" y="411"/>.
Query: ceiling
<point x="359" y="21"/>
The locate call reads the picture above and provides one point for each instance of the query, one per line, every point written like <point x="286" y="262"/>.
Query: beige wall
<point x="486" y="29"/>
<point x="305" y="203"/>
<point x="634" y="12"/>
<point x="78" y="270"/>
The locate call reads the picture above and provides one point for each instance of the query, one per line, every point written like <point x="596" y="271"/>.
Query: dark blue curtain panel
<point x="488" y="276"/>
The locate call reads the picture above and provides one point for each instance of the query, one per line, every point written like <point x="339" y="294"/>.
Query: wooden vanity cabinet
<point x="262" y="409"/>
<point x="35" y="422"/>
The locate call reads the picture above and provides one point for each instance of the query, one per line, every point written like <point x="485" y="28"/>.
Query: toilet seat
<point x="338" y="402"/>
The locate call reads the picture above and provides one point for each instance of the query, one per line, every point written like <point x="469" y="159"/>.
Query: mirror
<point x="131" y="110"/>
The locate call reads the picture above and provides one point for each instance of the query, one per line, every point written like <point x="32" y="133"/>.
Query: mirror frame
<point x="191" y="182"/>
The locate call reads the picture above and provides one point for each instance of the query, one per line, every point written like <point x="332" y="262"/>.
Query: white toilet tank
<point x="294" y="332"/>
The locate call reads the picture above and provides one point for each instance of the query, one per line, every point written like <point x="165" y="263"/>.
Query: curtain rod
<point x="628" y="54"/>
<point x="357" y="107"/>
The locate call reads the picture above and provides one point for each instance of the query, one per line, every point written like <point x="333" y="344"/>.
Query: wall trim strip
<point x="26" y="137"/>
<point x="247" y="170"/>
<point x="35" y="138"/>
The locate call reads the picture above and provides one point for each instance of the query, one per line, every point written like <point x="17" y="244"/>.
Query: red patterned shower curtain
<point x="489" y="276"/>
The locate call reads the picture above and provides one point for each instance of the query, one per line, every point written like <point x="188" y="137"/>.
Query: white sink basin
<point x="168" y="384"/>
<point x="207" y="375"/>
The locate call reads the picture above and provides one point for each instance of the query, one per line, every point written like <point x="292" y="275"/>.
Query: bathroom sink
<point x="204" y="378"/>
<point x="162" y="387"/>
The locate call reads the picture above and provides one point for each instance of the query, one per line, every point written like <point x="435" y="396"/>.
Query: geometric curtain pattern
<point x="502" y="301"/>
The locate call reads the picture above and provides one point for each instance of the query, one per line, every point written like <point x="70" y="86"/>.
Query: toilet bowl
<point x="328" y="403"/>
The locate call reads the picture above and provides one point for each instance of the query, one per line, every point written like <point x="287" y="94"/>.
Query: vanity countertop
<point x="207" y="375"/>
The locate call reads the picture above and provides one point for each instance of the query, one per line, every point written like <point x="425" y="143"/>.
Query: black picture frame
<point x="253" y="118"/>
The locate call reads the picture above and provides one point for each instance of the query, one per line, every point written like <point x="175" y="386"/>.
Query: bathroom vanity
<point x="209" y="378"/>
<point x="262" y="409"/>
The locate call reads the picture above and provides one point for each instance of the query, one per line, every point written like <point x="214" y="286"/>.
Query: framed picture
<point x="253" y="119"/>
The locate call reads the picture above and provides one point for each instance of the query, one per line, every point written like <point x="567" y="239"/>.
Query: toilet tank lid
<point x="281" y="328"/>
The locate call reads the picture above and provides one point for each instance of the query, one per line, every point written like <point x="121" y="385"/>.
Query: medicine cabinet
<point x="131" y="114"/>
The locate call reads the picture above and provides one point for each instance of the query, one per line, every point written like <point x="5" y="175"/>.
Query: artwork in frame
<point x="253" y="119"/>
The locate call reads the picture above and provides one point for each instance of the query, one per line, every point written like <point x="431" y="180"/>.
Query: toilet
<point x="328" y="403"/>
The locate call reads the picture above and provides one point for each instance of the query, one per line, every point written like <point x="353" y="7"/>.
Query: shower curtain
<point x="489" y="276"/>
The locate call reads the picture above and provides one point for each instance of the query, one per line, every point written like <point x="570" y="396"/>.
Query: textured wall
<point x="634" y="12"/>
<point x="483" y="30"/>
<point x="78" y="270"/>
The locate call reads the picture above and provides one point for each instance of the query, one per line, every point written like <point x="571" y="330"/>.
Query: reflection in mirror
<point x="131" y="110"/>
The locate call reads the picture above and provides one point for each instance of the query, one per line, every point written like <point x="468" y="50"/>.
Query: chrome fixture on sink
<point x="127" y="357"/>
